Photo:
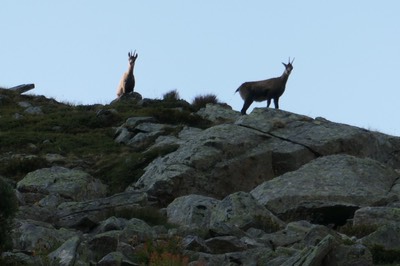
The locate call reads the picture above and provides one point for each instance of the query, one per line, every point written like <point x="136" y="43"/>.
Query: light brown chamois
<point x="127" y="82"/>
<point x="265" y="89"/>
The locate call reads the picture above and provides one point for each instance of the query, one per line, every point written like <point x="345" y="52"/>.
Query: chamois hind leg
<point x="276" y="103"/>
<point x="246" y="106"/>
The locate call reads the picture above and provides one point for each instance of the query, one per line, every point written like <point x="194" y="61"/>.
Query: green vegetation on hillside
<point x="83" y="134"/>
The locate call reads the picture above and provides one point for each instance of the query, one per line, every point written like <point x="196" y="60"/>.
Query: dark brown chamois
<point x="265" y="89"/>
<point x="127" y="83"/>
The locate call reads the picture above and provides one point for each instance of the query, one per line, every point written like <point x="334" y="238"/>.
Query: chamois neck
<point x="130" y="68"/>
<point x="285" y="75"/>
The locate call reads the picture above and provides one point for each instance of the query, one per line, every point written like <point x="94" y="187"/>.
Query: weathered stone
<point x="88" y="214"/>
<point x="387" y="237"/>
<point x="225" y="244"/>
<point x="104" y="243"/>
<point x="218" y="113"/>
<point x="110" y="224"/>
<point x="324" y="137"/>
<point x="376" y="216"/>
<point x="115" y="259"/>
<point x="69" y="184"/>
<point x="202" y="165"/>
<point x="240" y="209"/>
<point x="65" y="255"/>
<point x="312" y="256"/>
<point x="23" y="88"/>
<point x="20" y="258"/>
<point x="37" y="236"/>
<point x="353" y="255"/>
<point x="140" y="133"/>
<point x="195" y="243"/>
<point x="24" y="104"/>
<point x="138" y="229"/>
<point x="191" y="211"/>
<point x="328" y="190"/>
<point x="34" y="110"/>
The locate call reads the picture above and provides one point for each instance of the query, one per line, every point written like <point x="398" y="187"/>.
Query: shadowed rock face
<point x="335" y="184"/>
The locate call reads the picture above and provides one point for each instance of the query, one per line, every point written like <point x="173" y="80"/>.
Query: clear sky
<point x="346" y="68"/>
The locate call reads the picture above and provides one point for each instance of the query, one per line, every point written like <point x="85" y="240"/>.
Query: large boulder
<point x="86" y="215"/>
<point x="241" y="210"/>
<point x="328" y="190"/>
<point x="219" y="161"/>
<point x="191" y="211"/>
<point x="324" y="137"/>
<point x="34" y="236"/>
<point x="376" y="216"/>
<point x="69" y="184"/>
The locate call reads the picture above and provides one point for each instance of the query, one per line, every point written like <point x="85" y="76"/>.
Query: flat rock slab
<point x="23" y="88"/>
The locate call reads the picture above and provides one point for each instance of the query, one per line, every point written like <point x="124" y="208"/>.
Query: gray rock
<point x="22" y="88"/>
<point x="225" y="244"/>
<point x="34" y="110"/>
<point x="218" y="113"/>
<point x="141" y="132"/>
<point x="110" y="224"/>
<point x="191" y="211"/>
<point x="350" y="255"/>
<point x="114" y="259"/>
<point x="312" y="256"/>
<point x="36" y="236"/>
<point x="332" y="184"/>
<point x="202" y="165"/>
<point x="240" y="209"/>
<point x="65" y="255"/>
<point x="104" y="243"/>
<point x="387" y="237"/>
<point x="376" y="216"/>
<point x="20" y="258"/>
<point x="195" y="243"/>
<point x="88" y="214"/>
<point x="323" y="137"/>
<point x="25" y="104"/>
<point x="69" y="184"/>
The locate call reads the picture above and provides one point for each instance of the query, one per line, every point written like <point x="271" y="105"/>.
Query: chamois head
<point x="132" y="58"/>
<point x="288" y="66"/>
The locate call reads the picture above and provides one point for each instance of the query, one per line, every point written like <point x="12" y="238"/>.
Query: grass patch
<point x="171" y="96"/>
<point x="18" y="167"/>
<point x="383" y="256"/>
<point x="120" y="170"/>
<point x="8" y="208"/>
<point x="201" y="101"/>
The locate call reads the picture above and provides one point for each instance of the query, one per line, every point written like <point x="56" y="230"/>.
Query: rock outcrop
<point x="269" y="188"/>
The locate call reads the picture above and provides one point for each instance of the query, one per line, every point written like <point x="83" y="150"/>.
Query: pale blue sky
<point x="346" y="67"/>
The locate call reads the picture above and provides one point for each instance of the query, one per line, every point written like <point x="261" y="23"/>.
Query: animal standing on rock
<point x="127" y="83"/>
<point x="265" y="89"/>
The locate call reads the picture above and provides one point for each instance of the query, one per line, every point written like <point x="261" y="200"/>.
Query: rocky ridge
<point x="269" y="188"/>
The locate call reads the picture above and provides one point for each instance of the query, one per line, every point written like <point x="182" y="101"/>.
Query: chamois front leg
<point x="246" y="106"/>
<point x="276" y="103"/>
<point x="268" y="102"/>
